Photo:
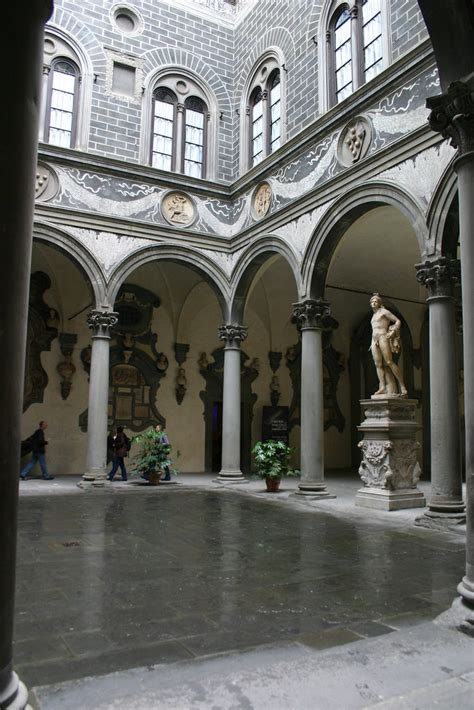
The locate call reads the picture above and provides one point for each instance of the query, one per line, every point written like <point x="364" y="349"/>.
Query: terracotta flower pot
<point x="154" y="478"/>
<point x="273" y="484"/>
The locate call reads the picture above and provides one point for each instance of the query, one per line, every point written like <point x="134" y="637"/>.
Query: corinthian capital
<point x="233" y="334"/>
<point x="101" y="322"/>
<point x="439" y="276"/>
<point x="452" y="114"/>
<point x="310" y="313"/>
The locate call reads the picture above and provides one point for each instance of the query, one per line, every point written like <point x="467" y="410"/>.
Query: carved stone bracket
<point x="101" y="323"/>
<point x="452" y="114"/>
<point x="310" y="313"/>
<point x="232" y="334"/>
<point x="66" y="368"/>
<point x="439" y="276"/>
<point x="181" y="352"/>
<point x="274" y="359"/>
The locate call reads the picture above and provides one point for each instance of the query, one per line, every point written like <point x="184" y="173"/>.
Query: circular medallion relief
<point x="49" y="46"/>
<point x="47" y="183"/>
<point x="178" y="209"/>
<point x="354" y="141"/>
<point x="262" y="200"/>
<point x="181" y="87"/>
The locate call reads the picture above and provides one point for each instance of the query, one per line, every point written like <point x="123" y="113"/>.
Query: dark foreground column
<point x="446" y="506"/>
<point x="233" y="335"/>
<point x="21" y="49"/>
<point x="100" y="323"/>
<point x="310" y="314"/>
<point x="452" y="114"/>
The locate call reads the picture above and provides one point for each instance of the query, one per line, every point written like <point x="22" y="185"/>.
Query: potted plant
<point x="153" y="457"/>
<point x="272" y="462"/>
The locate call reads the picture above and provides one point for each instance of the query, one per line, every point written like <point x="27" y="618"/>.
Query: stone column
<point x="310" y="314"/>
<point x="21" y="56"/>
<point x="100" y="322"/>
<point x="232" y="335"/>
<point x="44" y="92"/>
<point x="446" y="504"/>
<point x="452" y="114"/>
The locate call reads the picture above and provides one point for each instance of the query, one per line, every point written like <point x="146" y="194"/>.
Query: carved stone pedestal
<point x="389" y="468"/>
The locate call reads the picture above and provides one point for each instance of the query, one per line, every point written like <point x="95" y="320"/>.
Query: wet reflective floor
<point x="113" y="580"/>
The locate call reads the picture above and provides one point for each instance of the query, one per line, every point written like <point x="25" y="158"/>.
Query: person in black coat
<point x="38" y="445"/>
<point x="121" y="447"/>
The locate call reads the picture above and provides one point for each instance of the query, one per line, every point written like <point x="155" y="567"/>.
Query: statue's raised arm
<point x="385" y="342"/>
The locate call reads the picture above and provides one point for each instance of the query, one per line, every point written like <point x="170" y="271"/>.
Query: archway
<point x="374" y="250"/>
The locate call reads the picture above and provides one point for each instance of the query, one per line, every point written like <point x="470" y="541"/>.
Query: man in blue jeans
<point x="38" y="445"/>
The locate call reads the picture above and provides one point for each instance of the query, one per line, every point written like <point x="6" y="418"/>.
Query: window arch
<point x="356" y="46"/>
<point x="66" y="91"/>
<point x="163" y="145"/>
<point x="182" y="122"/>
<point x="61" y="103"/>
<point x="263" y="133"/>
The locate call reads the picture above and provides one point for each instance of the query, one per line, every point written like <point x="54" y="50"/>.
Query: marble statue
<point x="385" y="342"/>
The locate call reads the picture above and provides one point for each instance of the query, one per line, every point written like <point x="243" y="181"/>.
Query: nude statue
<point x="385" y="342"/>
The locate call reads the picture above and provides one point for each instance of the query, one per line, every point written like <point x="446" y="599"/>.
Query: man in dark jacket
<point x="38" y="444"/>
<point x="121" y="447"/>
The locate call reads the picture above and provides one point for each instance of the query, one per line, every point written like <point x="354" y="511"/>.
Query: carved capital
<point x="310" y="313"/>
<point x="354" y="11"/>
<point x="180" y="108"/>
<point x="233" y="334"/>
<point x="101" y="322"/>
<point x="46" y="69"/>
<point x="439" y="276"/>
<point x="452" y="114"/>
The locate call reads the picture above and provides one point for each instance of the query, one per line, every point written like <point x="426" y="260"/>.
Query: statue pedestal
<point x="389" y="468"/>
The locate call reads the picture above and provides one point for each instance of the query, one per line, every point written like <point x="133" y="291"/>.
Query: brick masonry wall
<point x="223" y="57"/>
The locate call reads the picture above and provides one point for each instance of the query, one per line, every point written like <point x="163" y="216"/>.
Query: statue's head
<point x="375" y="301"/>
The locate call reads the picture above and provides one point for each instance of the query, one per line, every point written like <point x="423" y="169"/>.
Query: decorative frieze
<point x="439" y="276"/>
<point x="101" y="323"/>
<point x="310" y="313"/>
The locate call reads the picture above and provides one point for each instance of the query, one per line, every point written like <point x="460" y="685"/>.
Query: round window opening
<point x="126" y="21"/>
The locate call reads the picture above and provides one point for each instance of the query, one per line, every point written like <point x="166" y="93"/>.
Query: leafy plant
<point x="154" y="455"/>
<point x="272" y="459"/>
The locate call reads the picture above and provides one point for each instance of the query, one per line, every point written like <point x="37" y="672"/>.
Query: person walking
<point x="38" y="445"/>
<point x="121" y="449"/>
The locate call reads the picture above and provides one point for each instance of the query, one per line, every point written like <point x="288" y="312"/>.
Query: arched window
<point x="257" y="125"/>
<point x="61" y="103"/>
<point x="274" y="133"/>
<point x="180" y="122"/>
<point x="163" y="148"/>
<point x="264" y="110"/>
<point x="195" y="113"/>
<point x="355" y="39"/>
<point x="342" y="55"/>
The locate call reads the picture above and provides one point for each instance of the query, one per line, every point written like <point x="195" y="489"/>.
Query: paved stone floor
<point x="136" y="576"/>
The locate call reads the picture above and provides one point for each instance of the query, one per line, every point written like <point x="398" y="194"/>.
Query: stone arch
<point x="248" y="265"/>
<point x="440" y="211"/>
<point x="210" y="273"/>
<point x="346" y="210"/>
<point x="78" y="254"/>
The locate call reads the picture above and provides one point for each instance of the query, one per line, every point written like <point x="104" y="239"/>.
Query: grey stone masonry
<point x="219" y="53"/>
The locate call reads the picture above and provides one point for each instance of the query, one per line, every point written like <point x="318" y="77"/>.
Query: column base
<point x="313" y="490"/>
<point x="230" y="477"/>
<point x="385" y="499"/>
<point x="15" y="696"/>
<point x="459" y="616"/>
<point x="436" y="520"/>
